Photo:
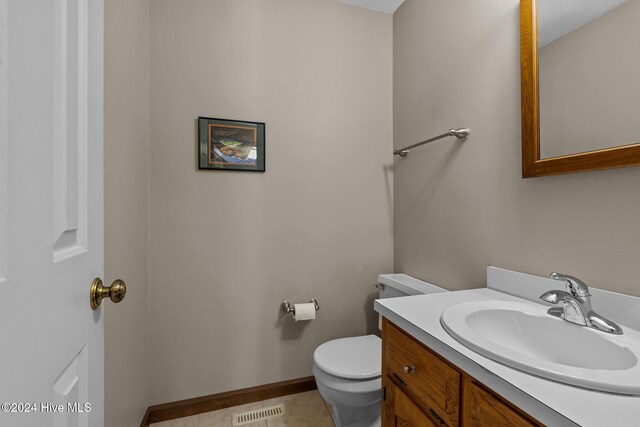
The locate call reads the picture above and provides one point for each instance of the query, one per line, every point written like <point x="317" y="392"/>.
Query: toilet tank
<point x="402" y="285"/>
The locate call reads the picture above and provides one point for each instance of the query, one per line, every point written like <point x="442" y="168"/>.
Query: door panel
<point x="70" y="127"/>
<point x="51" y="204"/>
<point x="3" y="141"/>
<point x="71" y="388"/>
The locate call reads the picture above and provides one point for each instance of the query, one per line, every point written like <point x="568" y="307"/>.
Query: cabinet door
<point x="483" y="409"/>
<point x="407" y="413"/>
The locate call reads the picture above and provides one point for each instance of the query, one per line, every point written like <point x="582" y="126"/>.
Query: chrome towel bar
<point x="462" y="133"/>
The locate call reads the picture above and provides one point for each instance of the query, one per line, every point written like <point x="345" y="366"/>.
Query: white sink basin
<point x="525" y="337"/>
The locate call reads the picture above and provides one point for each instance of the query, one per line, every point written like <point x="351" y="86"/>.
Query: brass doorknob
<point x="98" y="292"/>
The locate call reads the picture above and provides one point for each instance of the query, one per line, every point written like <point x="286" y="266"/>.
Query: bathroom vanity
<point x="423" y="389"/>
<point x="431" y="378"/>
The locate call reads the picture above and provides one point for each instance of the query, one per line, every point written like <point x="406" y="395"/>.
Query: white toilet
<point x="347" y="370"/>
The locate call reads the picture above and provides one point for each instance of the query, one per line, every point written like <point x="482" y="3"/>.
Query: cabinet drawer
<point x="425" y="375"/>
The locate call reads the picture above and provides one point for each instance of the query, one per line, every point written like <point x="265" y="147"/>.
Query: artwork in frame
<point x="234" y="145"/>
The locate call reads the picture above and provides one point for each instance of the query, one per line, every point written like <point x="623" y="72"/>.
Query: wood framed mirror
<point x="590" y="120"/>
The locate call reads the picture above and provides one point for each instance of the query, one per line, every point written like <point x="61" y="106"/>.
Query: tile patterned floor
<point x="301" y="410"/>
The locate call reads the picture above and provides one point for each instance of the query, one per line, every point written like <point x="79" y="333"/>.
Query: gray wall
<point x="462" y="206"/>
<point x="227" y="247"/>
<point x="126" y="126"/>
<point x="589" y="85"/>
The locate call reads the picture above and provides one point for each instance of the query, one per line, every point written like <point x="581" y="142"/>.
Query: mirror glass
<point x="589" y="75"/>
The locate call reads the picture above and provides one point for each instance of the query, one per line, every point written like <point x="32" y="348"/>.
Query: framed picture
<point x="234" y="145"/>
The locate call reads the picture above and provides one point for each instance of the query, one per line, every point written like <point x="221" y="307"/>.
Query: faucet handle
<point x="576" y="286"/>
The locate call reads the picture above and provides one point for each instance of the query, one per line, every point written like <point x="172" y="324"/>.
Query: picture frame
<point x="231" y="145"/>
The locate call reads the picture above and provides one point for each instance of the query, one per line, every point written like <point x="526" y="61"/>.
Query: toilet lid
<point x="354" y="358"/>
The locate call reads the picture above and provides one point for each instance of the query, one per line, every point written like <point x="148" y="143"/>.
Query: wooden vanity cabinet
<point x="422" y="389"/>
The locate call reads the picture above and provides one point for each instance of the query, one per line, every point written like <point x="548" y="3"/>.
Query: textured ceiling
<point x="557" y="18"/>
<point x="386" y="6"/>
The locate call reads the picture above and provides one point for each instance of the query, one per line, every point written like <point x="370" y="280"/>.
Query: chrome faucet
<point x="576" y="305"/>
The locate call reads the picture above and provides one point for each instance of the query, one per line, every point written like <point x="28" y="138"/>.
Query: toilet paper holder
<point x="288" y="308"/>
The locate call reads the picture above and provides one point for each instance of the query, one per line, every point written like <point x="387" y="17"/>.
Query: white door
<point x="51" y="226"/>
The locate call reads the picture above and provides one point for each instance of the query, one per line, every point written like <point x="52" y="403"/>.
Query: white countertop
<point x="552" y="403"/>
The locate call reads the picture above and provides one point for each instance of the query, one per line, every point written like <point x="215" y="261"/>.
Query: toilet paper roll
<point x="305" y="311"/>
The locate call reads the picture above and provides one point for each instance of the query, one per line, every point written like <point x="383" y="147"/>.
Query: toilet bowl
<point x="347" y="372"/>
